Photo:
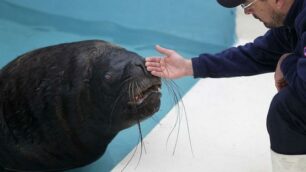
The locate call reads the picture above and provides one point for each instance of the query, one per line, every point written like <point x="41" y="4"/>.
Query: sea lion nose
<point x="142" y="67"/>
<point x="139" y="66"/>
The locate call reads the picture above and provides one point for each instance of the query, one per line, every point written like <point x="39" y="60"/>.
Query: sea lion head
<point x="123" y="86"/>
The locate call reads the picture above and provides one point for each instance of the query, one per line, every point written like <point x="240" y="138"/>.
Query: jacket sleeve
<point x="258" y="57"/>
<point x="294" y="69"/>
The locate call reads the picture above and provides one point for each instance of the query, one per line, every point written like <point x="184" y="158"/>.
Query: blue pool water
<point x="190" y="27"/>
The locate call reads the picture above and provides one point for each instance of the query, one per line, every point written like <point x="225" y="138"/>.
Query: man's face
<point x="266" y="12"/>
<point x="274" y="19"/>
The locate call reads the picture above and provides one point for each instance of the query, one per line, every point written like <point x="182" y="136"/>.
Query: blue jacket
<point x="262" y="55"/>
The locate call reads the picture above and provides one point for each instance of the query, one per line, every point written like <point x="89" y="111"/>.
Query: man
<point x="281" y="50"/>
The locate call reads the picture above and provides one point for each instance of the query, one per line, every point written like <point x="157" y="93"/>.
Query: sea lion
<point x="60" y="106"/>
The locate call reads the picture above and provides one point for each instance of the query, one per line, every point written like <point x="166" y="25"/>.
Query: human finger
<point x="164" y="51"/>
<point x="152" y="64"/>
<point x="152" y="68"/>
<point x="153" y="59"/>
<point x="157" y="73"/>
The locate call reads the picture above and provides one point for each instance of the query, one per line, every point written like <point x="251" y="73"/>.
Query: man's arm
<point x="258" y="57"/>
<point x="294" y="69"/>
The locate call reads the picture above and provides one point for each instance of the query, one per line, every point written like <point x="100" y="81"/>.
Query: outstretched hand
<point x="171" y="66"/>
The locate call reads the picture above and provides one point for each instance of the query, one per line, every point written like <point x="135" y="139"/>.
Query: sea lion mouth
<point x="140" y="97"/>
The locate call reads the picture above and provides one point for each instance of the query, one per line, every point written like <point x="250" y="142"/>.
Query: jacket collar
<point x="295" y="9"/>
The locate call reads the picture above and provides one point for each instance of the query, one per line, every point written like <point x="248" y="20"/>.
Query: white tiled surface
<point x="227" y="125"/>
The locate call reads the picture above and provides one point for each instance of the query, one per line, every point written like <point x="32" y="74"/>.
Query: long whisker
<point x="173" y="89"/>
<point x="188" y="128"/>
<point x="130" y="160"/>
<point x="113" y="109"/>
<point x="185" y="114"/>
<point x="130" y="91"/>
<point x="138" y="88"/>
<point x="177" y="121"/>
<point x="142" y="145"/>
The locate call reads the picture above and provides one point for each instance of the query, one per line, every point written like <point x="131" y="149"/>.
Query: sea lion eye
<point x="108" y="76"/>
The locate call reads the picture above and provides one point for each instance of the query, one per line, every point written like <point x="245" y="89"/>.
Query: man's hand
<point x="280" y="81"/>
<point x="172" y="66"/>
